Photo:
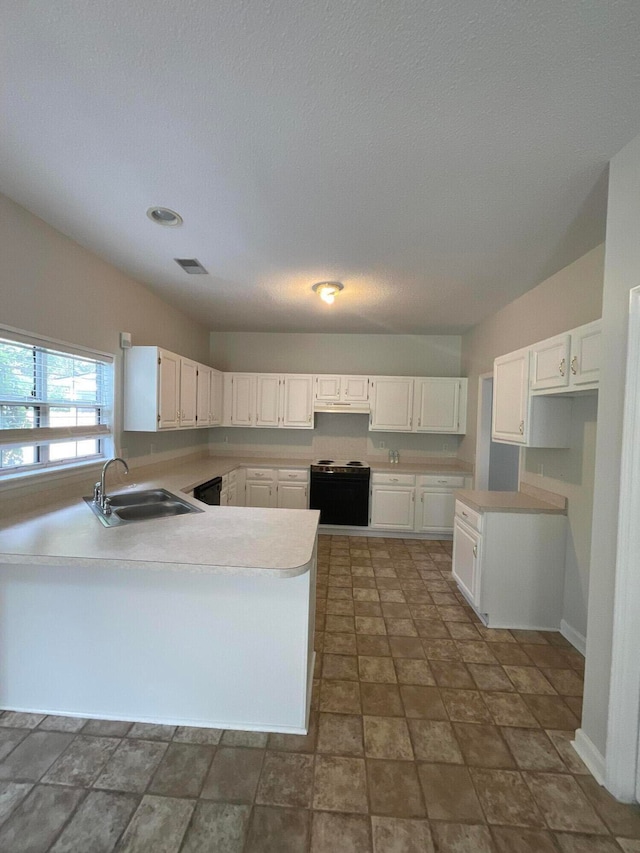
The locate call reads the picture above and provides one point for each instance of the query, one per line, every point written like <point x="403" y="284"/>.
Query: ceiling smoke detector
<point x="327" y="290"/>
<point x="164" y="216"/>
<point x="191" y="265"/>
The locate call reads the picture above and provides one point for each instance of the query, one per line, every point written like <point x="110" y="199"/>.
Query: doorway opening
<point x="497" y="464"/>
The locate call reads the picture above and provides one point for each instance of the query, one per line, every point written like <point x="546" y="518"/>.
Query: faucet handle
<point x="106" y="506"/>
<point x="97" y="493"/>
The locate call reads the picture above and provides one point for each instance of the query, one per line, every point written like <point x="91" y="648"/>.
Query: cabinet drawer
<point x="470" y="517"/>
<point x="393" y="479"/>
<point x="266" y="474"/>
<point x="454" y="481"/>
<point x="293" y="475"/>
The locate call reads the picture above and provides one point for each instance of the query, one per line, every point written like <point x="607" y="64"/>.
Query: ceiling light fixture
<point x="327" y="290"/>
<point x="164" y="216"/>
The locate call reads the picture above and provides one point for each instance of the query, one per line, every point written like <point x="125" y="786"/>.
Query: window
<point x="56" y="404"/>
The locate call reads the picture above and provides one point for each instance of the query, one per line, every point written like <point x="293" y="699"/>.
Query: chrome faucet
<point x="100" y="497"/>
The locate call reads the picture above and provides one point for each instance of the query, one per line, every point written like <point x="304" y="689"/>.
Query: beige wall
<point x="402" y="355"/>
<point x="568" y="299"/>
<point x="622" y="273"/>
<point x="52" y="286"/>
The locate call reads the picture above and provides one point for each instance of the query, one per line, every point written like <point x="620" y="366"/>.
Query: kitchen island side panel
<point x="183" y="648"/>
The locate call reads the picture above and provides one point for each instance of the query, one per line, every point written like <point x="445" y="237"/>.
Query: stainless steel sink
<point x="143" y="505"/>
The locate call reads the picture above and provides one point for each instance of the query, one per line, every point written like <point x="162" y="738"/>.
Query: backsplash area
<point x="336" y="436"/>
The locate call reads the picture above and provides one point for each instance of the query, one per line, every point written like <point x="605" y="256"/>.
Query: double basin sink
<point x="143" y="505"/>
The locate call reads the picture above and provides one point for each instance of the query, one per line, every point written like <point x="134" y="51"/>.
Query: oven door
<point x="341" y="498"/>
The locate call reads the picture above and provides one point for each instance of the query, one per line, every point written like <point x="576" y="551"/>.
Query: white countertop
<point x="230" y="540"/>
<point x="506" y="502"/>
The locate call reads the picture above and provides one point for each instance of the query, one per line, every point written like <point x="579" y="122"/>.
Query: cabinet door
<point x="292" y="495"/>
<point x="355" y="389"/>
<point x="243" y="399"/>
<point x="511" y="397"/>
<point x="392" y="507"/>
<point x="328" y="388"/>
<point x="298" y="401"/>
<point x="168" y="390"/>
<point x="203" y="396"/>
<point x="188" y="392"/>
<point x="437" y="405"/>
<point x="267" y="399"/>
<point x="550" y="363"/>
<point x="232" y="495"/>
<point x="586" y="351"/>
<point x="435" y="511"/>
<point x="259" y="494"/>
<point x="391" y="404"/>
<point x="466" y="560"/>
<point x="216" y="397"/>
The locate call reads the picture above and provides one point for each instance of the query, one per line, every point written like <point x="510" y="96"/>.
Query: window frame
<point x="103" y="432"/>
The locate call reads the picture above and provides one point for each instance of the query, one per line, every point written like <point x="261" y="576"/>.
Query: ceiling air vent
<point x="192" y="266"/>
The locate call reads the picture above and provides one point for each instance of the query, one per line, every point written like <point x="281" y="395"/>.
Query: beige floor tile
<point x="258" y="740"/>
<point x="406" y="647"/>
<point x="516" y="840"/>
<point x="371" y="625"/>
<point x="551" y="712"/>
<point x="435" y="741"/>
<point x="565" y="681"/>
<point x="483" y="746"/>
<point x="400" y="835"/>
<point x="546" y="655"/>
<point x="396" y="595"/>
<point x="340" y="734"/>
<point x="234" y="775"/>
<point x="360" y="594"/>
<point x="381" y="700"/>
<point x="340" y="832"/>
<point x="490" y="678"/>
<point x="296" y="743"/>
<point x="159" y="824"/>
<point x="441" y="650"/>
<point x="387" y="737"/>
<point x="217" y="826"/>
<point x="412" y="671"/>
<point x="510" y="654"/>
<point x="339" y="608"/>
<point x="563" y="804"/>
<point x="367" y="608"/>
<point x="475" y="652"/>
<point x="423" y="702"/>
<point x="529" y="679"/>
<point x="509" y="709"/>
<point x="449" y="793"/>
<point x="460" y="838"/>
<point x="465" y="706"/>
<point x="341" y="697"/>
<point x="562" y="742"/>
<point x="621" y="819"/>
<point x="340" y="644"/>
<point x="586" y="844"/>
<point x="401" y="627"/>
<point x="375" y="646"/>
<point x="340" y="784"/>
<point x="394" y="789"/>
<point x="286" y="780"/>
<point x="379" y="669"/>
<point x="505" y="798"/>
<point x="629" y="845"/>
<point x="271" y="829"/>
<point x="533" y="750"/>
<point x="340" y="667"/>
<point x="430" y="627"/>
<point x="395" y="610"/>
<point x="452" y="674"/>
<point x="462" y="631"/>
<point x="340" y="624"/>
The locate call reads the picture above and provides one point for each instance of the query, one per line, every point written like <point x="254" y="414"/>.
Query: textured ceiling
<point x="440" y="157"/>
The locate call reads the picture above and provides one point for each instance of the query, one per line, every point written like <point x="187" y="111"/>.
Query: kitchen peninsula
<point x="203" y="619"/>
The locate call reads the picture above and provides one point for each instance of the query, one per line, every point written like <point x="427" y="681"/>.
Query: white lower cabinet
<point x="285" y="488"/>
<point x="392" y="501"/>
<point x="510" y="566"/>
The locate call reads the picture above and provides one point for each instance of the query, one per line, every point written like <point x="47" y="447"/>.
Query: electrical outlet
<point x="382" y="445"/>
<point x="445" y="446"/>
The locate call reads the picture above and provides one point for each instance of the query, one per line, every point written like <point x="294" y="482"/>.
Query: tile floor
<point x="429" y="733"/>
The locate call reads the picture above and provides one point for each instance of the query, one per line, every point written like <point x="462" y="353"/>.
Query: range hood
<point x="355" y="408"/>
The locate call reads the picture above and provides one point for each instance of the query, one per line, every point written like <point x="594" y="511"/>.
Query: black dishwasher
<point x="209" y="492"/>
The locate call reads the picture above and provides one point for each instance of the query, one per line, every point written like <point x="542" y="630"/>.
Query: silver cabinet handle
<point x="574" y="365"/>
<point x="292" y="476"/>
<point x="393" y="479"/>
<point x="475" y="550"/>
<point x="521" y="428"/>
<point x="562" y="367"/>
<point x="178" y="414"/>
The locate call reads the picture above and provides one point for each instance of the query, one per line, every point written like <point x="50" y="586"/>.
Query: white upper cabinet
<point x="297" y="401"/>
<point x="243" y="399"/>
<point x="203" y="396"/>
<point x="511" y="397"/>
<point x="161" y="390"/>
<point x="188" y="392"/>
<point x="334" y="388"/>
<point x="215" y="397"/>
<point x="267" y="400"/>
<point x="568" y="363"/>
<point x="440" y="405"/>
<point x="550" y="363"/>
<point x="391" y="404"/>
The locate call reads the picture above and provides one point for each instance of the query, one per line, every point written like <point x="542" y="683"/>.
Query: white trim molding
<point x="591" y="756"/>
<point x="577" y="640"/>
<point x="624" y="695"/>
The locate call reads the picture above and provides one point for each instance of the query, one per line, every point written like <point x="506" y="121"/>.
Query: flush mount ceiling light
<point x="164" y="216"/>
<point x="327" y="290"/>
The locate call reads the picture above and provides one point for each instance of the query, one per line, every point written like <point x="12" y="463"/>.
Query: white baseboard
<point x="577" y="640"/>
<point x="591" y="756"/>
<point x="339" y="530"/>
